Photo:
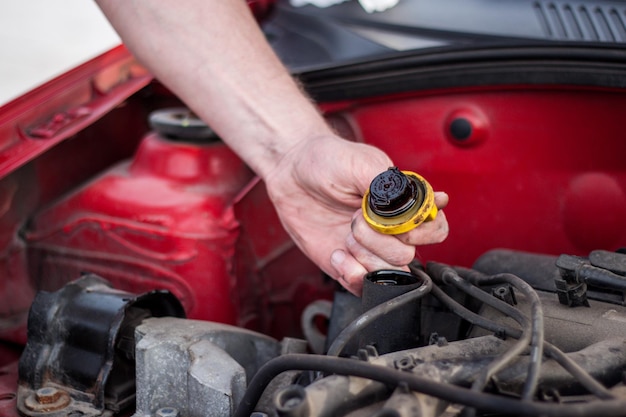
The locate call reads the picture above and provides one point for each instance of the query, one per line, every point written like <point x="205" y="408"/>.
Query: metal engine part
<point x="510" y="360"/>
<point x="455" y="364"/>
<point x="199" y="368"/>
<point x="514" y="350"/>
<point x="80" y="352"/>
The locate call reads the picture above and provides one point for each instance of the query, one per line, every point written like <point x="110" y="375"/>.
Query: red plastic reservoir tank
<point x="162" y="220"/>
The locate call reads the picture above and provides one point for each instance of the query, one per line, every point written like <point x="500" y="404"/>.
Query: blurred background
<point x="41" y="39"/>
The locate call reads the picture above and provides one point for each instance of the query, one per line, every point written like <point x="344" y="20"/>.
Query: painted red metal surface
<point x="175" y="217"/>
<point x="8" y="384"/>
<point x="275" y="281"/>
<point x="544" y="171"/>
<point x="162" y="220"/>
<point x="54" y="112"/>
<point x="48" y="145"/>
<point x="260" y="8"/>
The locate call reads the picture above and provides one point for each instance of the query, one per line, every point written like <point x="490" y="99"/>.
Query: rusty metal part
<point x="80" y="351"/>
<point x="47" y="399"/>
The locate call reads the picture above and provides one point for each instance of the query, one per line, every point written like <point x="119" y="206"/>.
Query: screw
<point x="435" y="339"/>
<point x="48" y="395"/>
<point x="167" y="412"/>
<point x="181" y="124"/>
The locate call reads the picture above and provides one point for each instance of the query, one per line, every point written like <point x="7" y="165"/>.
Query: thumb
<point x="371" y="163"/>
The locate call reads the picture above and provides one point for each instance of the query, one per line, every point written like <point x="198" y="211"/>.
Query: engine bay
<point x="438" y="340"/>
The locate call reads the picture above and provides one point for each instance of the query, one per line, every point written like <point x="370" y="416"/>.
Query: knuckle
<point x="350" y="241"/>
<point x="359" y="227"/>
<point x="402" y="257"/>
<point x="353" y="224"/>
<point x="442" y="232"/>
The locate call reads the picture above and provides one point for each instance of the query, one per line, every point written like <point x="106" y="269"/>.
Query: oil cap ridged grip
<point x="398" y="201"/>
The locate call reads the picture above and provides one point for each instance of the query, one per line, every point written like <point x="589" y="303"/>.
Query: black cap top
<point x="392" y="193"/>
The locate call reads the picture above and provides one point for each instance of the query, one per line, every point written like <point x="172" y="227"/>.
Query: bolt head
<point x="47" y="399"/>
<point x="47" y="395"/>
<point x="167" y="412"/>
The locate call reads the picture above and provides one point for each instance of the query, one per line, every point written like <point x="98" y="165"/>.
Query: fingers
<point x="388" y="249"/>
<point x="367" y="250"/>
<point x="350" y="272"/>
<point x="399" y="250"/>
<point x="427" y="233"/>
<point x="441" y="199"/>
<point x="374" y="262"/>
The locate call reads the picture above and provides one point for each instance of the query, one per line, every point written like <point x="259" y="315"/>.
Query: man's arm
<point x="215" y="58"/>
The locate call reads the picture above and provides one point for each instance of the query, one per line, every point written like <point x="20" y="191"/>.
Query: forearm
<point x="214" y="57"/>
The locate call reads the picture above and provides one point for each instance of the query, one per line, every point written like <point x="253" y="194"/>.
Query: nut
<point x="47" y="399"/>
<point x="406" y="363"/>
<point x="47" y="395"/>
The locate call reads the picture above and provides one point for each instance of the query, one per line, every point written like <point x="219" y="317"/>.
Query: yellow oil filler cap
<point x="398" y="201"/>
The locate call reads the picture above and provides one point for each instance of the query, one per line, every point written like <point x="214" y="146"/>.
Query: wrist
<point x="284" y="153"/>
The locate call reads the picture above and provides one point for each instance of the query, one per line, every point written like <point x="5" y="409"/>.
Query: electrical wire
<point x="375" y="313"/>
<point x="479" y="400"/>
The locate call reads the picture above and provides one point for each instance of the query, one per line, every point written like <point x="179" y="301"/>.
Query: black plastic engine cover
<point x="80" y="350"/>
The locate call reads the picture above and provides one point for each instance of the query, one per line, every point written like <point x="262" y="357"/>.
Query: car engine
<point x="437" y="341"/>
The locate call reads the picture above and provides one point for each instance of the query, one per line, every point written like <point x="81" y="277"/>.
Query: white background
<point x="40" y="39"/>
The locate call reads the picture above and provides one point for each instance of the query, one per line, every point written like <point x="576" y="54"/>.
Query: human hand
<point x="317" y="189"/>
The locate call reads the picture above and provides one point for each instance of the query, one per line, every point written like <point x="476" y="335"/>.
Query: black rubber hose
<point x="449" y="276"/>
<point x="479" y="400"/>
<point x="602" y="278"/>
<point x="586" y="380"/>
<point x="581" y="375"/>
<point x="375" y="313"/>
<point x="537" y="328"/>
<point x="476" y="319"/>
